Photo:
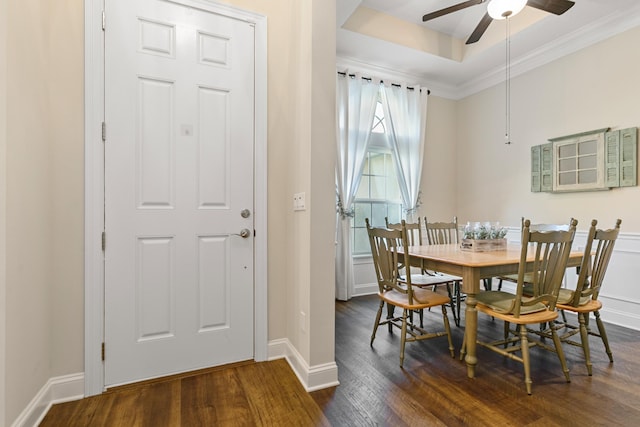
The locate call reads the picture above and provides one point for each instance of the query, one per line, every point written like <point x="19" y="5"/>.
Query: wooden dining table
<point x="473" y="267"/>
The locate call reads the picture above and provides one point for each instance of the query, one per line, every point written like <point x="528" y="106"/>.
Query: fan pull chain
<point x="507" y="80"/>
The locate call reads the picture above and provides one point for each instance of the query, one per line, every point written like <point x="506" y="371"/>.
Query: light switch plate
<point x="299" y="202"/>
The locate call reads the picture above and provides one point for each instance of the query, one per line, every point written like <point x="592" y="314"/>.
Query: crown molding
<point x="607" y="27"/>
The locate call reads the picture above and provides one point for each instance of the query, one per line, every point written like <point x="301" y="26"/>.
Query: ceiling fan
<point x="501" y="9"/>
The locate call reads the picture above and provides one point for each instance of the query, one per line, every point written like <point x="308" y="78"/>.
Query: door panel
<point x="178" y="172"/>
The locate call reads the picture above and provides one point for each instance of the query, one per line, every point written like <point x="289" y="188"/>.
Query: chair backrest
<point x="594" y="262"/>
<point x="441" y="233"/>
<point x="551" y="251"/>
<point x="386" y="261"/>
<point x="414" y="230"/>
<point x="547" y="227"/>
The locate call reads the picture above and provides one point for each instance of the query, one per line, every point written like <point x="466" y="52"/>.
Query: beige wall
<point x="465" y="156"/>
<point x="3" y="209"/>
<point x="29" y="236"/>
<point x="301" y="103"/>
<point x="439" y="181"/>
<point x="44" y="197"/>
<point x="591" y="89"/>
<point x="66" y="138"/>
<point x="321" y="158"/>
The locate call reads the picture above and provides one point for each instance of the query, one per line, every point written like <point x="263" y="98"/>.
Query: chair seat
<point x="543" y="316"/>
<point x="501" y="302"/>
<point x="433" y="279"/>
<point x="564" y="295"/>
<point x="422" y="298"/>
<point x="588" y="307"/>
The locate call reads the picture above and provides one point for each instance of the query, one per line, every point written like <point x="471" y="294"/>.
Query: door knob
<point x="244" y="233"/>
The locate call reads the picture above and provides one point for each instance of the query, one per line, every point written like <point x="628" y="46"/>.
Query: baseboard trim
<point x="365" y="289"/>
<point x="56" y="390"/>
<point x="312" y="378"/>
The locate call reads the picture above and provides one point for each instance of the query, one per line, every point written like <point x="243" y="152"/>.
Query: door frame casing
<point x="94" y="87"/>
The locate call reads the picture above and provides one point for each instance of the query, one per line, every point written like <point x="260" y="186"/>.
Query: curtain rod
<point x="381" y="81"/>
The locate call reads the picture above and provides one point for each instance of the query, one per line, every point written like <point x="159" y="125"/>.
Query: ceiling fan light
<point x="501" y="9"/>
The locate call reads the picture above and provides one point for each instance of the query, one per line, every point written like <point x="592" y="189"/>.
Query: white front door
<point x="179" y="164"/>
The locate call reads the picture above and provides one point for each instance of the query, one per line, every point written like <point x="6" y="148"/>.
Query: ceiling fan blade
<point x="450" y="9"/>
<point x="480" y="29"/>
<point x="557" y="7"/>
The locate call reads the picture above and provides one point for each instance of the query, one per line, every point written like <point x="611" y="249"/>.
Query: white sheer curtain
<point x="405" y="113"/>
<point x="355" y="107"/>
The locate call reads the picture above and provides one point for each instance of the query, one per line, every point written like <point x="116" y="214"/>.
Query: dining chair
<point x="414" y="230"/>
<point x="583" y="300"/>
<point x="430" y="278"/>
<point x="549" y="251"/>
<point x="398" y="291"/>
<point x="414" y="236"/>
<point x="534" y="227"/>
<point x="443" y="233"/>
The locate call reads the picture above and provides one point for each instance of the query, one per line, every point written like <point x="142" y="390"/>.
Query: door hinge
<point x="104" y="241"/>
<point x="102" y="351"/>
<point x="104" y="131"/>
<point x="103" y="21"/>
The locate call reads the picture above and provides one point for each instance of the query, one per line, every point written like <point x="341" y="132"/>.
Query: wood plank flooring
<point x="431" y="390"/>
<point x="250" y="394"/>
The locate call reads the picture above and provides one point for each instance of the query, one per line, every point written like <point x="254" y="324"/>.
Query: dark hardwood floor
<point x="431" y="390"/>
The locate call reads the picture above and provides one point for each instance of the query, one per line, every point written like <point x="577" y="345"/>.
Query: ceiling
<point x="388" y="38"/>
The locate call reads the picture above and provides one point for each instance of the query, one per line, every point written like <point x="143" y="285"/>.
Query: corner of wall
<point x="3" y="205"/>
<point x="312" y="378"/>
<point x="56" y="390"/>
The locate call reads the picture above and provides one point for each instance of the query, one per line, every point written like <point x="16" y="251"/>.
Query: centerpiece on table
<point x="483" y="237"/>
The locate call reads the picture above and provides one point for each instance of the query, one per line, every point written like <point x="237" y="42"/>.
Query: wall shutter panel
<point x="612" y="159"/>
<point x="628" y="157"/>
<point x="535" y="169"/>
<point x="546" y="167"/>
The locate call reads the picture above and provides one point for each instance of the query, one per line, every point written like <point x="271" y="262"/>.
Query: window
<point x="577" y="163"/>
<point x="378" y="195"/>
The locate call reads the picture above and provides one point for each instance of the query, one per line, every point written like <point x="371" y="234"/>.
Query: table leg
<point x="471" y="325"/>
